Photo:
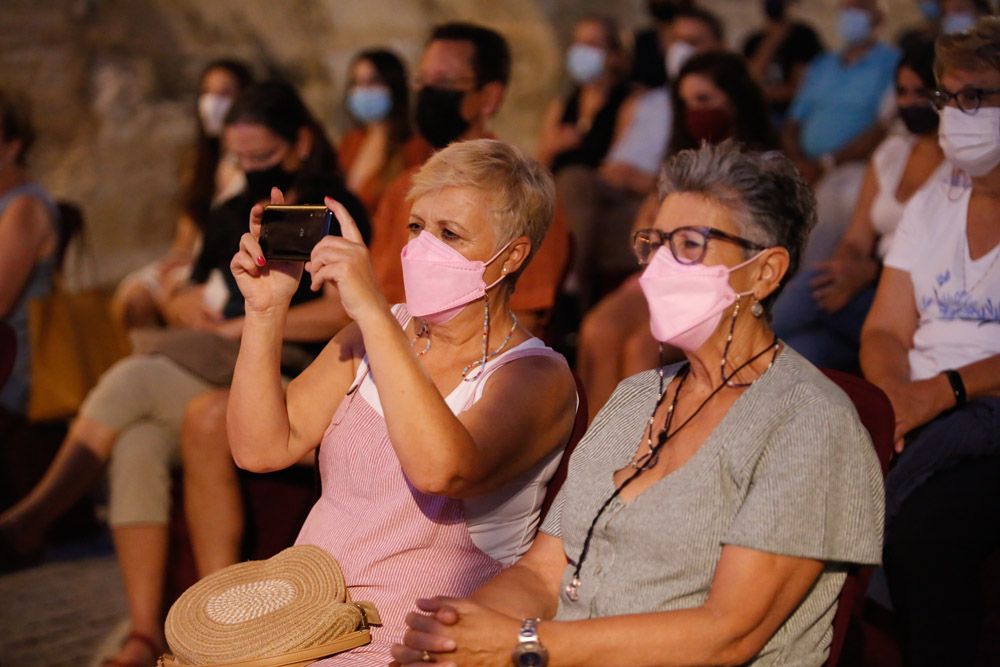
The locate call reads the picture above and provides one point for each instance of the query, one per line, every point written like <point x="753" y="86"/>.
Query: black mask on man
<point x="260" y="181"/>
<point x="920" y="118"/>
<point x="439" y="115"/>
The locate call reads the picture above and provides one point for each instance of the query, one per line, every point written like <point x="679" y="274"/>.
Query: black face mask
<point x="439" y="115"/>
<point x="920" y="118"/>
<point x="260" y="181"/>
<point x="774" y="9"/>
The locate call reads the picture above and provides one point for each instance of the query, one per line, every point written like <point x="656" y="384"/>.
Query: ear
<point x="517" y="254"/>
<point x="304" y="142"/>
<point x="492" y="93"/>
<point x="773" y="267"/>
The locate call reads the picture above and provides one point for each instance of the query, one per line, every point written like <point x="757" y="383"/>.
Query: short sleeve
<point x="815" y="491"/>
<point x="910" y="233"/>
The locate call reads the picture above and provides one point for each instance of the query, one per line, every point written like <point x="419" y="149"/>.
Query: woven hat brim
<point x="298" y="658"/>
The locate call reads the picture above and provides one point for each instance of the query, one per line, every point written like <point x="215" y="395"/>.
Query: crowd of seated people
<point x="727" y="223"/>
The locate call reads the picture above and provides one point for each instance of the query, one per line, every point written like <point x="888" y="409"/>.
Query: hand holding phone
<point x="290" y="233"/>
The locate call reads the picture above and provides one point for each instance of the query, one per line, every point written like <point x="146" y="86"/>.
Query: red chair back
<point x="579" y="428"/>
<point x="8" y="350"/>
<point x="875" y="412"/>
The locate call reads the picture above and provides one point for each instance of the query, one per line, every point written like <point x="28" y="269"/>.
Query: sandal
<point x="154" y="648"/>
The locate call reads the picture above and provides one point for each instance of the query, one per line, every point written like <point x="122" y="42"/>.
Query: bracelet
<point x="957" y="386"/>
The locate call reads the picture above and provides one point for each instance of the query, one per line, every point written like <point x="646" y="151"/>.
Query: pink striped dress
<point x="394" y="543"/>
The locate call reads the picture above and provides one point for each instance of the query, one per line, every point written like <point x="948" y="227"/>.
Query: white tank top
<point x="501" y="523"/>
<point x="889" y="162"/>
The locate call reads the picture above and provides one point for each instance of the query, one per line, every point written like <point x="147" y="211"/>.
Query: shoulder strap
<point x="513" y="355"/>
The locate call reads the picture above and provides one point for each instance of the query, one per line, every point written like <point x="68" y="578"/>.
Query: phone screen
<point x="291" y="232"/>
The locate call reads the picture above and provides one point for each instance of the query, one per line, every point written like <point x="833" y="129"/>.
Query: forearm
<point x="981" y="378"/>
<point x="861" y="147"/>
<point x="884" y="358"/>
<point x="519" y="592"/>
<point x="686" y="637"/>
<point x="790" y="141"/>
<point x="257" y="417"/>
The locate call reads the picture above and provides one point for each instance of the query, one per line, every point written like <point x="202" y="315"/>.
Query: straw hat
<point x="291" y="609"/>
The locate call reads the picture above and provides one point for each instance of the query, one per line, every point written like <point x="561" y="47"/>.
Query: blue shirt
<point x="838" y="102"/>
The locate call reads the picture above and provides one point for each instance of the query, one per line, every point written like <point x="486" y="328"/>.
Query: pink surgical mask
<point x="439" y="281"/>
<point x="686" y="301"/>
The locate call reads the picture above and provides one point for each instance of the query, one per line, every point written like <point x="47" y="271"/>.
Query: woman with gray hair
<point x="712" y="508"/>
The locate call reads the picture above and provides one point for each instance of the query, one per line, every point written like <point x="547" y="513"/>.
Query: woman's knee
<point x="139" y="474"/>
<point x="203" y="431"/>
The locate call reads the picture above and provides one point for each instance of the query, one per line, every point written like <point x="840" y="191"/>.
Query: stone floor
<point x="66" y="613"/>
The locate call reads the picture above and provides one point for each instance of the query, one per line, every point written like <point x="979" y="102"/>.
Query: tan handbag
<point x="74" y="339"/>
<point x="287" y="611"/>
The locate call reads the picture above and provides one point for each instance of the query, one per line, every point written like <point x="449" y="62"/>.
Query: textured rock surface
<point x="111" y="82"/>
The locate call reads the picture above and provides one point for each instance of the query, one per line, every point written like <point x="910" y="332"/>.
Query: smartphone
<point x="291" y="232"/>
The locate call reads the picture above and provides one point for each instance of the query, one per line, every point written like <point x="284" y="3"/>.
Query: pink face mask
<point x="439" y="281"/>
<point x="686" y="301"/>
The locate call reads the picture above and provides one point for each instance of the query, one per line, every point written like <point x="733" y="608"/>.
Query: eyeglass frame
<point x="942" y="97"/>
<point x="666" y="239"/>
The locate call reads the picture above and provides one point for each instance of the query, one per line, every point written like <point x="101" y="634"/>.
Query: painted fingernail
<point x="260" y="260"/>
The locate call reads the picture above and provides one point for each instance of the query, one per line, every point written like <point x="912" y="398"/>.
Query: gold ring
<point x="425" y="656"/>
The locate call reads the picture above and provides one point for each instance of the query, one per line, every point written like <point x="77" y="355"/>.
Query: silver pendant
<point x="573" y="590"/>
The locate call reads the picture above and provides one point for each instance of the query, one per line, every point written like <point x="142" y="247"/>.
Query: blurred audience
<point x="649" y="48"/>
<point x="380" y="143"/>
<point x="926" y="30"/>
<point x="779" y="53"/>
<point x="961" y="15"/>
<point x="131" y="419"/>
<point x="715" y="99"/>
<point x="461" y="81"/>
<point x="29" y="241"/>
<point x="441" y="419"/>
<point x="823" y="308"/>
<point x="211" y="177"/>
<point x="931" y="342"/>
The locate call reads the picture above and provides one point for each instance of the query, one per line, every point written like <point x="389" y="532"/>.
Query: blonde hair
<point x="520" y="191"/>
<point x="975" y="49"/>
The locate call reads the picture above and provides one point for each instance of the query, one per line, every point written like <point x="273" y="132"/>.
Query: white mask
<point x="971" y="142"/>
<point x="678" y="54"/>
<point x="212" y="109"/>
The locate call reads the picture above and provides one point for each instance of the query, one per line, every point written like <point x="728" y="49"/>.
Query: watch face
<point x="531" y="654"/>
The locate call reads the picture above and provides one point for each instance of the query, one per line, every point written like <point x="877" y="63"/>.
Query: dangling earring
<point x="757" y="309"/>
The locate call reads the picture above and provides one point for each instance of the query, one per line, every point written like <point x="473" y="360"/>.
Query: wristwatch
<point x="529" y="652"/>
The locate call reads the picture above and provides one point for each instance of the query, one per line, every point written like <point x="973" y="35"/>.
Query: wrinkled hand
<point x="916" y="403"/>
<point x="344" y="262"/>
<point x="838" y="280"/>
<point x="457" y="632"/>
<point x="265" y="285"/>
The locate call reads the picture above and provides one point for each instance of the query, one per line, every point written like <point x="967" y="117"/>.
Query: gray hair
<point x="771" y="203"/>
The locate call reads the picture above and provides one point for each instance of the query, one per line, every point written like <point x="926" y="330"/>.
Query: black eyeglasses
<point x="688" y="245"/>
<point x="967" y="100"/>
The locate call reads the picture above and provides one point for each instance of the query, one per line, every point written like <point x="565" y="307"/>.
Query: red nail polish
<point x="260" y="260"/>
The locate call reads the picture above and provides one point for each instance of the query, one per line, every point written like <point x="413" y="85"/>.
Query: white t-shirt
<point x="957" y="298"/>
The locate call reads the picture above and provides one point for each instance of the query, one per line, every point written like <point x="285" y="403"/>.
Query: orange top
<point x="536" y="288"/>
<point x="415" y="151"/>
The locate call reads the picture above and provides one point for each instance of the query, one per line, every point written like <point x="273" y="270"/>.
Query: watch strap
<point x="957" y="386"/>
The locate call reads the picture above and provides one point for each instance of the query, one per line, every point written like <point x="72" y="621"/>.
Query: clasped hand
<point x="341" y="261"/>
<point x="457" y="632"/>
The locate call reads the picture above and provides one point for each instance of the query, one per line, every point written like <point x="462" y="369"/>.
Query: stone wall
<point x="111" y="83"/>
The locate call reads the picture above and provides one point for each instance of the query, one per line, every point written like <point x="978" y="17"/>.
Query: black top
<point x="648" y="62"/>
<point x="597" y="141"/>
<point x="230" y="220"/>
<point x="799" y="47"/>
